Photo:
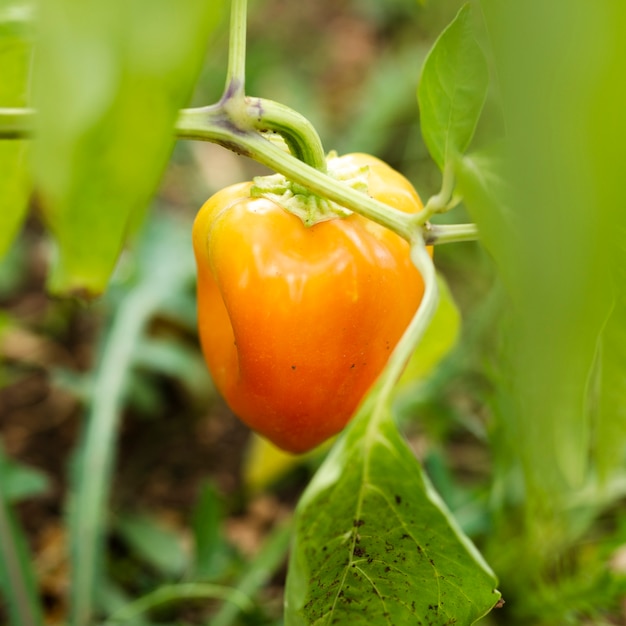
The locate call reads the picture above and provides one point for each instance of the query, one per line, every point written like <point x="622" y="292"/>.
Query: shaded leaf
<point x="375" y="544"/>
<point x="452" y="89"/>
<point x="210" y="555"/>
<point x="480" y="180"/>
<point x="20" y="481"/>
<point x="154" y="542"/>
<point x="164" y="266"/>
<point x="258" y="572"/>
<point x="17" y="579"/>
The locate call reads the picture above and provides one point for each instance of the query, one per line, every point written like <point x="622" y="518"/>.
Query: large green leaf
<point x="564" y="151"/>
<point x="15" y="61"/>
<point x="452" y="89"/>
<point x="110" y="78"/>
<point x="375" y="544"/>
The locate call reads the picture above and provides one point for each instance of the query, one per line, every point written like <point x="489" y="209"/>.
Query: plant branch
<point x="299" y="134"/>
<point x="236" y="73"/>
<point x="16" y="123"/>
<point x="213" y="124"/>
<point x="442" y="201"/>
<point x="435" y="234"/>
<point x="416" y="329"/>
<point x="169" y="594"/>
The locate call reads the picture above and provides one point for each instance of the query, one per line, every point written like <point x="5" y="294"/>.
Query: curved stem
<point x="180" y="592"/>
<point x="416" y="329"/>
<point x="213" y="124"/>
<point x="300" y="135"/>
<point x="441" y="202"/>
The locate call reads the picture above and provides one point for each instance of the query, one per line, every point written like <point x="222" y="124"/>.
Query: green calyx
<point x="309" y="207"/>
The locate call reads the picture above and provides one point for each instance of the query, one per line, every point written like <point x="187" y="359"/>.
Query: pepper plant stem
<point x="299" y="134"/>
<point x="212" y="124"/>
<point x="450" y="233"/>
<point x="16" y="123"/>
<point x="236" y="73"/>
<point x="416" y="329"/>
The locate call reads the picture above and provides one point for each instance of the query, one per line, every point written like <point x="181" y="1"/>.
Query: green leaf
<point x="452" y="89"/>
<point x="562" y="164"/>
<point x="479" y="179"/>
<point x="21" y="482"/>
<point x="154" y="542"/>
<point x="256" y="574"/>
<point x="609" y="393"/>
<point x="165" y="265"/>
<point x="15" y="61"/>
<point x="109" y="81"/>
<point x="375" y="544"/>
<point x="210" y="554"/>
<point x="17" y="579"/>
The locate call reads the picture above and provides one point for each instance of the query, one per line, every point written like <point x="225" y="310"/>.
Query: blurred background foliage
<point x="520" y="425"/>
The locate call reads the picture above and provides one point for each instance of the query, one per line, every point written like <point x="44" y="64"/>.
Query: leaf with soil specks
<point x="375" y="544"/>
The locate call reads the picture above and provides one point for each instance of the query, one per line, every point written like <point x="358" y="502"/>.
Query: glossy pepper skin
<point x="297" y="322"/>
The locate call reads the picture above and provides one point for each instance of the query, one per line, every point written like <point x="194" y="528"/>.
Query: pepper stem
<point x="236" y="72"/>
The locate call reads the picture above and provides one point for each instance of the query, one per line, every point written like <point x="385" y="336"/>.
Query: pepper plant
<point x="372" y="541"/>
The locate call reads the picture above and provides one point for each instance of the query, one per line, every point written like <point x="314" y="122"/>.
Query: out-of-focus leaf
<point x="452" y="89"/>
<point x="17" y="579"/>
<point x="15" y="67"/>
<point x="164" y="264"/>
<point x="210" y="555"/>
<point x="438" y="340"/>
<point x="606" y="132"/>
<point x="258" y="572"/>
<point x="608" y="389"/>
<point x="375" y="544"/>
<point x="155" y="543"/>
<point x="561" y="166"/>
<point x="173" y="358"/>
<point x="109" y="80"/>
<point x="20" y="481"/>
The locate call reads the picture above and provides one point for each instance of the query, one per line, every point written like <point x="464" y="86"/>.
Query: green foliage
<point x="452" y="90"/>
<point x="17" y="580"/>
<point x="546" y="200"/>
<point x="21" y="481"/>
<point x="209" y="544"/>
<point x="562" y="291"/>
<point x="93" y="466"/>
<point x="154" y="542"/>
<point x="375" y="544"/>
<point x="15" y="57"/>
<point x="522" y="426"/>
<point x="108" y="83"/>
